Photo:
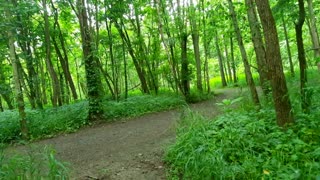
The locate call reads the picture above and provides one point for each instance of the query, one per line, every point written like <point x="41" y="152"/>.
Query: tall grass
<point x="33" y="165"/>
<point x="245" y="143"/>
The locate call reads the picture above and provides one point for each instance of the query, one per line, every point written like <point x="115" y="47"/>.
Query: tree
<point x="222" y="72"/>
<point x="90" y="61"/>
<point x="56" y="99"/>
<point x="258" y="45"/>
<point x="249" y="79"/>
<point x="17" y="78"/>
<point x="193" y="16"/>
<point x="287" y="44"/>
<point x="305" y="98"/>
<point x="314" y="33"/>
<point x="280" y="95"/>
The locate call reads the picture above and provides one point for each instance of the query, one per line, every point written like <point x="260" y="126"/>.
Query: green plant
<point x="245" y="144"/>
<point x="33" y="165"/>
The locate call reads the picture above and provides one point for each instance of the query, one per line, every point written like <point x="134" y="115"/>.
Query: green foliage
<point x="196" y="96"/>
<point x="246" y="144"/>
<point x="69" y="118"/>
<point x="34" y="165"/>
<point x="139" y="105"/>
<point x="216" y="81"/>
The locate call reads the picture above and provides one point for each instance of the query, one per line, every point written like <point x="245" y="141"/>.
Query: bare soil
<point x="131" y="149"/>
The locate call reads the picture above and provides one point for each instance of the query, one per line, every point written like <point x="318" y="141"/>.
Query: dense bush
<point x="246" y="144"/>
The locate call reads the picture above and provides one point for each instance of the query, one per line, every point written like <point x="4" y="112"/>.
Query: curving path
<point x="125" y="150"/>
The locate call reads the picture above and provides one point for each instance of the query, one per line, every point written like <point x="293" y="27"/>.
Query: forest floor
<point x="123" y="150"/>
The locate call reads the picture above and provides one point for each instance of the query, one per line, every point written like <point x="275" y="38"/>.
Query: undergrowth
<point x="246" y="143"/>
<point x="69" y="118"/>
<point x="33" y="165"/>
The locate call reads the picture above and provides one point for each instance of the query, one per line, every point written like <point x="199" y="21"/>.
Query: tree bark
<point x="222" y="73"/>
<point x="305" y="98"/>
<point x="140" y="71"/>
<point x="92" y="72"/>
<point x="314" y="33"/>
<point x="258" y="46"/>
<point x="184" y="66"/>
<point x="64" y="59"/>
<point x="17" y="85"/>
<point x="281" y="99"/>
<point x="287" y="45"/>
<point x="1" y="107"/>
<point x="249" y="79"/>
<point x="56" y="99"/>
<point x="227" y="58"/>
<point x="195" y="40"/>
<point x="233" y="64"/>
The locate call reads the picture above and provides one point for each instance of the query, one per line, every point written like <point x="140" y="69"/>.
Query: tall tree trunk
<point x="140" y="71"/>
<point x="64" y="59"/>
<point x="169" y="47"/>
<point x="281" y="99"/>
<point x="1" y="107"/>
<point x="184" y="66"/>
<point x="91" y="69"/>
<point x="314" y="33"/>
<point x="248" y="73"/>
<point x="287" y="45"/>
<point x="56" y="99"/>
<point x="125" y="70"/>
<point x="233" y="63"/>
<point x="17" y="85"/>
<point x="227" y="58"/>
<point x="305" y="98"/>
<point x="113" y="64"/>
<point x="258" y="46"/>
<point x="195" y="40"/>
<point x="222" y="73"/>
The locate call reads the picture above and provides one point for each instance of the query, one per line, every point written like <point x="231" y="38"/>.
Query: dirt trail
<point x="125" y="150"/>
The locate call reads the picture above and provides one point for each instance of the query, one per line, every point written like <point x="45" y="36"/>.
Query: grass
<point x="246" y="143"/>
<point x="33" y="165"/>
<point x="69" y="118"/>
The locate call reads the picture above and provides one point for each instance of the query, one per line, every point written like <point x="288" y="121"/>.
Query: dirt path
<point x="125" y="150"/>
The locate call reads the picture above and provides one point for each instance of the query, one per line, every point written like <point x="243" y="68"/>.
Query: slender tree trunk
<point x="64" y="59"/>
<point x="91" y="69"/>
<point x="248" y="73"/>
<point x="258" y="46"/>
<point x="305" y="99"/>
<point x="195" y="40"/>
<point x="1" y="107"/>
<point x="56" y="99"/>
<point x="288" y="45"/>
<point x="222" y="73"/>
<point x="281" y="99"/>
<point x="169" y="47"/>
<point x="125" y="70"/>
<point x="227" y="59"/>
<point x="205" y="47"/>
<point x="233" y="64"/>
<point x="113" y="64"/>
<point x="140" y="71"/>
<point x="314" y="33"/>
<point x="17" y="78"/>
<point x="184" y="66"/>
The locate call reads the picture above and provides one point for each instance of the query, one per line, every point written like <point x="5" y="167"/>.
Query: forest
<point x="66" y="65"/>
